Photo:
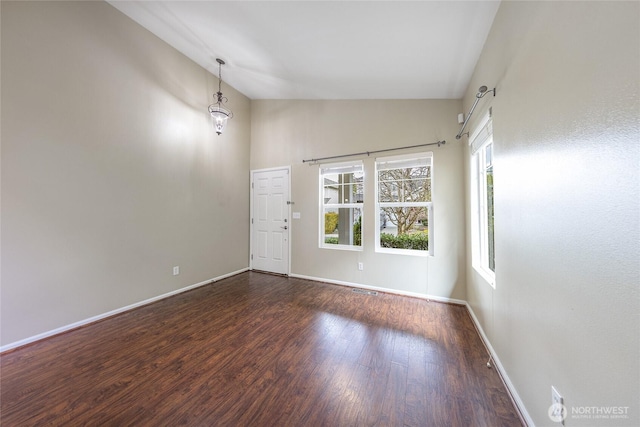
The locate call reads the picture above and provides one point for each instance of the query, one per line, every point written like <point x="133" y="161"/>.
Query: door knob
<point x="285" y="227"/>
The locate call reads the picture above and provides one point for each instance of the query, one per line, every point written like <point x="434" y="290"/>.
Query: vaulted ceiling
<point x="327" y="49"/>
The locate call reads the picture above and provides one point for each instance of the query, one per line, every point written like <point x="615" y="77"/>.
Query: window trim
<point x="481" y="138"/>
<point x="355" y="165"/>
<point x="428" y="205"/>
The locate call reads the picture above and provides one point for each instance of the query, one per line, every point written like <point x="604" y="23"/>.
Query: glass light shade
<point x="220" y="116"/>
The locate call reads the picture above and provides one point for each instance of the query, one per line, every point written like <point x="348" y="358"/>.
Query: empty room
<point x="320" y="213"/>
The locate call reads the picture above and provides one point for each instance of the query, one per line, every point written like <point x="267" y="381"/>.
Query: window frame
<point x="355" y="165"/>
<point x="379" y="205"/>
<point x="481" y="140"/>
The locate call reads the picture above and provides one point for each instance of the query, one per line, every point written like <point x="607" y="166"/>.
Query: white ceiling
<point x="327" y="49"/>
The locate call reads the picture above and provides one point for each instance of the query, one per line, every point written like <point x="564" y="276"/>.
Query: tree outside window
<point x="404" y="201"/>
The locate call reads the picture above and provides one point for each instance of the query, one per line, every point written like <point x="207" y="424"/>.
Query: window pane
<point x="405" y="173"/>
<point x="404" y="228"/>
<point x="490" y="238"/>
<point x="343" y="188"/>
<point x="405" y="185"/>
<point x="343" y="226"/>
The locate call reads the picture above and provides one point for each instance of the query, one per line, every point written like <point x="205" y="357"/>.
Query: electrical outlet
<point x="176" y="270"/>
<point x="557" y="411"/>
<point x="360" y="266"/>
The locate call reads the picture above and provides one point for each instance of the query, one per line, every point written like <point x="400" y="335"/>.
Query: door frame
<point x="289" y="203"/>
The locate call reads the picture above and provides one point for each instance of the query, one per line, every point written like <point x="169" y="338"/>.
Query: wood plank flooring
<point x="262" y="350"/>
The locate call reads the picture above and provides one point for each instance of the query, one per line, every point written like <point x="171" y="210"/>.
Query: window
<point x="342" y="196"/>
<point x="482" y="226"/>
<point x="403" y="204"/>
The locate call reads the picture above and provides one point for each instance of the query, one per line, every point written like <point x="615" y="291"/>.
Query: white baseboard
<point x="387" y="290"/>
<point x="498" y="365"/>
<point x="84" y="322"/>
<point x="496" y="361"/>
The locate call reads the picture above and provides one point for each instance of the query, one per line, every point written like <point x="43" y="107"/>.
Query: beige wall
<point x="111" y="175"/>
<point x="567" y="156"/>
<point x="111" y="171"/>
<point x="287" y="132"/>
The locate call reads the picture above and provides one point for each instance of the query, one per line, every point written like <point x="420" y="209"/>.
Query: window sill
<point x="488" y="275"/>
<point x="342" y="247"/>
<point x="408" y="252"/>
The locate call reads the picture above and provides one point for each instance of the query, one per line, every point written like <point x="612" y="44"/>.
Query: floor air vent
<point x="364" y="291"/>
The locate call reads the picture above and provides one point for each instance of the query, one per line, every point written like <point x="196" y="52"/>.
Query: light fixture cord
<point x="219" y="83"/>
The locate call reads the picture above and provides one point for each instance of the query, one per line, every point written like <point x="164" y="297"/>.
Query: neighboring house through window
<point x="342" y="196"/>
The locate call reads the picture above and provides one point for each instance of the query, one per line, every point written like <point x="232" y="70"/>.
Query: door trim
<point x="251" y="173"/>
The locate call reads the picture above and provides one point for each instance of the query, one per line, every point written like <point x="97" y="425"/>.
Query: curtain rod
<point x="481" y="93"/>
<point x="368" y="153"/>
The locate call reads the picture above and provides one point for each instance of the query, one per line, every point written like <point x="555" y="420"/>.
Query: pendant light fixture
<point x="219" y="114"/>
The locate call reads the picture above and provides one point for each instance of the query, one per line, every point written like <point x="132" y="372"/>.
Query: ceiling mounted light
<point x="218" y="112"/>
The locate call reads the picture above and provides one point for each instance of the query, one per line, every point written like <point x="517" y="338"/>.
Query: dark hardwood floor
<point x="262" y="350"/>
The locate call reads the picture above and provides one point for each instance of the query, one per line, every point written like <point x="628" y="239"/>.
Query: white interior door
<point x="270" y="221"/>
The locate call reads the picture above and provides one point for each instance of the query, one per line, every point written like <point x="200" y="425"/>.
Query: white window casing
<point x="341" y="203"/>
<point x="482" y="220"/>
<point x="403" y="195"/>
